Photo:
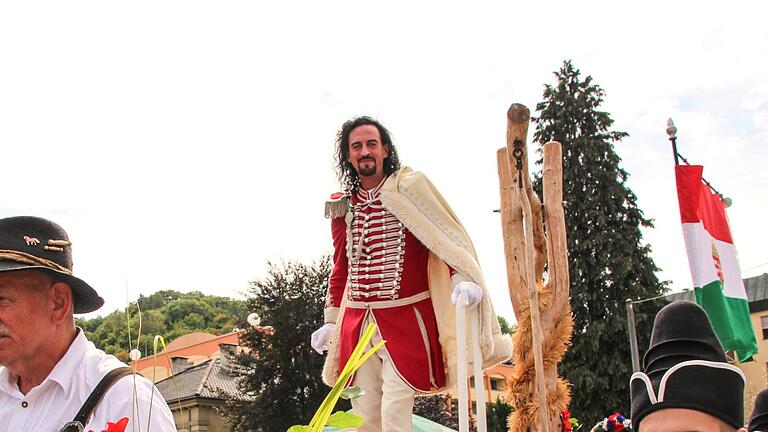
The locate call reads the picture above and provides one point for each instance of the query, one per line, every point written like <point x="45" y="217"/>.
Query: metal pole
<point x="633" y="337"/>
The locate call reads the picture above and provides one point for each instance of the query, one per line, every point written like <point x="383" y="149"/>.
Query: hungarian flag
<point x="714" y="265"/>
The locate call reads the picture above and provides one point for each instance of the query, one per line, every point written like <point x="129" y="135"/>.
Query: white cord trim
<point x="648" y="386"/>
<point x="707" y="363"/>
<point x="665" y="378"/>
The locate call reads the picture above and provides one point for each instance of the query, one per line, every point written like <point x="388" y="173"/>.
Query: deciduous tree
<point x="280" y="373"/>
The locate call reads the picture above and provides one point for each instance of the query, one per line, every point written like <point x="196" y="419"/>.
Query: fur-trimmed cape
<point x="412" y="198"/>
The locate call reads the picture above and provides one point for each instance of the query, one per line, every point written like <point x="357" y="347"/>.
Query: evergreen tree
<point x="608" y="260"/>
<point x="280" y="373"/>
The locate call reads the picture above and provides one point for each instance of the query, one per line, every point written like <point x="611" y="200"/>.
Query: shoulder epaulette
<point x="337" y="205"/>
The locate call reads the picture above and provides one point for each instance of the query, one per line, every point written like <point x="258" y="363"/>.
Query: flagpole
<point x="672" y="132"/>
<point x="633" y="337"/>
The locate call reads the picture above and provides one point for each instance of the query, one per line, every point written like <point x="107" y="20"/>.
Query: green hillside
<point x="167" y="313"/>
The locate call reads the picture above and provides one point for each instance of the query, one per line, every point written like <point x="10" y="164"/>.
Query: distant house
<point x="201" y="364"/>
<point x="194" y="394"/>
<point x="495" y="385"/>
<point x="183" y="352"/>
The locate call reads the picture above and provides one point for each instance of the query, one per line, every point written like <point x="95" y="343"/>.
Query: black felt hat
<point x="28" y="242"/>
<point x="758" y="421"/>
<point x="683" y="365"/>
<point x="692" y="348"/>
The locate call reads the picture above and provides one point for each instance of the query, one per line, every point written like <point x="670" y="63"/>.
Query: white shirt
<point x="56" y="401"/>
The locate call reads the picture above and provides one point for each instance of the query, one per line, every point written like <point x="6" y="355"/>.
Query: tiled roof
<point x="757" y="290"/>
<point x="682" y="295"/>
<point x="757" y="287"/>
<point x="206" y="380"/>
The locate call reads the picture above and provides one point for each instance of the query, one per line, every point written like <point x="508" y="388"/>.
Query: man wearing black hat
<point x="51" y="377"/>
<point x="758" y="421"/>
<point x="687" y="384"/>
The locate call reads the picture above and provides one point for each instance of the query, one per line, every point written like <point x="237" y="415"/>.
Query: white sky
<point x="183" y="144"/>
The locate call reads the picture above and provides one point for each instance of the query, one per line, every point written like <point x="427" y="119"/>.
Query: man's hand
<point x="467" y="293"/>
<point x="321" y="338"/>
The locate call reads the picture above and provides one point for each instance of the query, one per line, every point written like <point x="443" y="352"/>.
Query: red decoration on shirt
<point x="116" y="427"/>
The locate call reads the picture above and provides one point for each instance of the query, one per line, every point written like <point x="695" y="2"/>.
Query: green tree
<point x="158" y="299"/>
<point x="505" y="328"/>
<point x="281" y="373"/>
<point x="608" y="260"/>
<point x="167" y="313"/>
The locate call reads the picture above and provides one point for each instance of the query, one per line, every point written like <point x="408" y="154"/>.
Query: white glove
<point x="321" y="338"/>
<point x="467" y="293"/>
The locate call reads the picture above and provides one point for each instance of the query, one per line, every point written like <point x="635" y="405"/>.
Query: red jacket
<point x="384" y="266"/>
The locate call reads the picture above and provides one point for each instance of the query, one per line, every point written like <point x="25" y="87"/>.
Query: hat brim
<point x="84" y="297"/>
<point x="689" y="385"/>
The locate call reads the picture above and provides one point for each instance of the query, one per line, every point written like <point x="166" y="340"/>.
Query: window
<point x="764" y="326"/>
<point x="498" y="384"/>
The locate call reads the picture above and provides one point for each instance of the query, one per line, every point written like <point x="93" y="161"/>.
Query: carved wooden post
<point x="543" y="332"/>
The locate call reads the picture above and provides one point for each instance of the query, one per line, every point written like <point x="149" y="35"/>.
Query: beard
<point x="368" y="169"/>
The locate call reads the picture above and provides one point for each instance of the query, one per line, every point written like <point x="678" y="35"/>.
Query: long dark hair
<point x="344" y="170"/>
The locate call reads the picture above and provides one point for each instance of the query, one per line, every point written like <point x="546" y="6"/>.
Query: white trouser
<point x="387" y="404"/>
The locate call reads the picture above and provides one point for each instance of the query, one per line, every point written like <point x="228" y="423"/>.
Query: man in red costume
<point x="400" y="259"/>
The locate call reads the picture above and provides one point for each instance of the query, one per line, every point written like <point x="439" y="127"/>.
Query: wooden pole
<point x="559" y="281"/>
<point x="543" y="309"/>
<point x="518" y="118"/>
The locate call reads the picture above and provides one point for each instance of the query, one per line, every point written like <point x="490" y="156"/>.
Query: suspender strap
<point x="78" y="424"/>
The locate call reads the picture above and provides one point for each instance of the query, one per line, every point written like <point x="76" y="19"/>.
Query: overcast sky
<point x="184" y="144"/>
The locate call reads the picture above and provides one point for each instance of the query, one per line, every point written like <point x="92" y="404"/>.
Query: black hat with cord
<point x="683" y="365"/>
<point x="758" y="421"/>
<point x="33" y="243"/>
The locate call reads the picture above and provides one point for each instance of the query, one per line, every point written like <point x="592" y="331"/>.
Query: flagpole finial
<point x="671" y="129"/>
<point x="727" y="202"/>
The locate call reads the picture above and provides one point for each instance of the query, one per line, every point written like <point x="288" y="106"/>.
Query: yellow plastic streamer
<point x="355" y="361"/>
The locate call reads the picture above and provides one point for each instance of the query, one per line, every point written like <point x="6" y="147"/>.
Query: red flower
<point x="116" y="427"/>
<point x="566" y="415"/>
<point x="618" y="422"/>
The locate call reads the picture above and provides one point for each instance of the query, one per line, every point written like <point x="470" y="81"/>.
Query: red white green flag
<point x="715" y="270"/>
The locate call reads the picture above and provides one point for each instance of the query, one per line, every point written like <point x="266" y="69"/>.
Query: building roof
<point x="757" y="292"/>
<point x="756" y="287"/>
<point x="208" y="380"/>
<point x="189" y="339"/>
<point x="196" y="347"/>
